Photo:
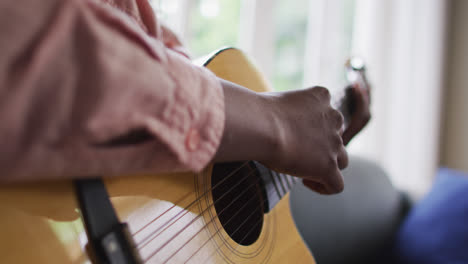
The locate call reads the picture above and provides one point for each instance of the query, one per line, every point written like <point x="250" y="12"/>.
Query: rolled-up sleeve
<point x="85" y="91"/>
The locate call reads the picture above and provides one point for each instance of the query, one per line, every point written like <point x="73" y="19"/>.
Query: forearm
<point x="250" y="132"/>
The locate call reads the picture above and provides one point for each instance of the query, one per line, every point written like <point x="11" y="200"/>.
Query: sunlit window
<point x="289" y="43"/>
<point x="213" y="24"/>
<point x="207" y="25"/>
<point x="336" y="37"/>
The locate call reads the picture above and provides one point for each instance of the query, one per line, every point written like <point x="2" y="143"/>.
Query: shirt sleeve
<point x="85" y="91"/>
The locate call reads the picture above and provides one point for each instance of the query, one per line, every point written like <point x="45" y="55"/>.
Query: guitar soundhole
<point x="238" y="201"/>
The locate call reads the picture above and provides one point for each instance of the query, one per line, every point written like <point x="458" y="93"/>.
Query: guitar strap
<point x="108" y="238"/>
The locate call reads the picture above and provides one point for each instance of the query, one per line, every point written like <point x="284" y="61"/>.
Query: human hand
<point x="295" y="132"/>
<point x="311" y="145"/>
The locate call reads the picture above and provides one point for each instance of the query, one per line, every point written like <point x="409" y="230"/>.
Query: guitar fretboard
<point x="276" y="185"/>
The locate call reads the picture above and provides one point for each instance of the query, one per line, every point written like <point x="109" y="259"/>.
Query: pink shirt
<point x="81" y="79"/>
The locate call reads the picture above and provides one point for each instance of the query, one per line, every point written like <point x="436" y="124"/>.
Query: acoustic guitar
<point x="229" y="213"/>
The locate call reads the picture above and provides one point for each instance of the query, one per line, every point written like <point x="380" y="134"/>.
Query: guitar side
<point x="40" y="222"/>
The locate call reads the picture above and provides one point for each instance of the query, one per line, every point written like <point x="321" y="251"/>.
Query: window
<point x="207" y="25"/>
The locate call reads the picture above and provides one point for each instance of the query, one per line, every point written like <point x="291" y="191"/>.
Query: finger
<point x="342" y="158"/>
<point x="337" y="119"/>
<point x="336" y="145"/>
<point x="334" y="184"/>
<point x="315" y="186"/>
<point x="341" y="131"/>
<point x="323" y="93"/>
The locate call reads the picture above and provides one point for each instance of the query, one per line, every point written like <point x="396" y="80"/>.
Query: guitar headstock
<point x="356" y="74"/>
<point x="356" y="85"/>
<point x="357" y="80"/>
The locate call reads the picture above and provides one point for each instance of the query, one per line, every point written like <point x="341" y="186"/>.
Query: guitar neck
<point x="276" y="185"/>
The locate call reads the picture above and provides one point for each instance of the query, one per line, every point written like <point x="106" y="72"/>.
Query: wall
<point x="454" y="141"/>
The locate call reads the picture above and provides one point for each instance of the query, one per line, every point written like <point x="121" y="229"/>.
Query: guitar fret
<point x="285" y="179"/>
<point x="296" y="180"/>
<point x="278" y="179"/>
<point x="275" y="184"/>
<point x="282" y="182"/>
<point x="290" y="180"/>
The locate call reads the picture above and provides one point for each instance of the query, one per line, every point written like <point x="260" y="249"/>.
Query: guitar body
<point x="171" y="217"/>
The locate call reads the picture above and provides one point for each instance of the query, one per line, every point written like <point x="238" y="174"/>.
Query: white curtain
<point x="403" y="42"/>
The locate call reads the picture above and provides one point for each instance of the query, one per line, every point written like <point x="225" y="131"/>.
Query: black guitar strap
<point x="109" y="240"/>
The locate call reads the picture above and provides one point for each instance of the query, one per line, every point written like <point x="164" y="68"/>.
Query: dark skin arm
<point x="296" y="132"/>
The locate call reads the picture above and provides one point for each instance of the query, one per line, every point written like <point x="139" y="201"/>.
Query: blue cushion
<point x="436" y="229"/>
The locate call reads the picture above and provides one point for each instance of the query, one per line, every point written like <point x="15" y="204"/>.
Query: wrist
<point x="272" y="131"/>
<point x="251" y="128"/>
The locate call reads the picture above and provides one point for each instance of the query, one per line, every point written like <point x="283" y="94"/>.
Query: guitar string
<point x="188" y="206"/>
<point x="211" y="220"/>
<point x="193" y="220"/>
<point x="190" y="223"/>
<point x="155" y="219"/>
<point x="207" y="192"/>
<point x="152" y="235"/>
<point x="294" y="179"/>
<point x="239" y="244"/>
<point x="173" y="206"/>
<point x="202" y="212"/>
<point x="237" y="229"/>
<point x="201" y="229"/>
<point x="218" y="230"/>
<point x="224" y="244"/>
<point x="155" y="233"/>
